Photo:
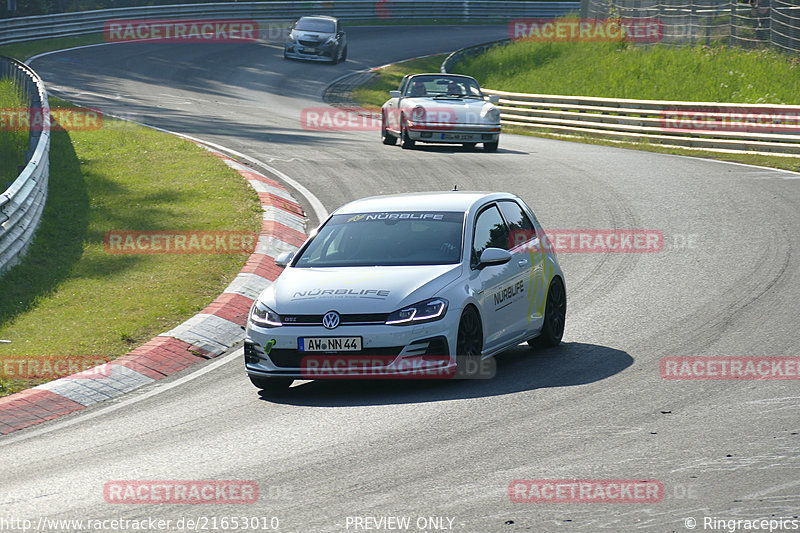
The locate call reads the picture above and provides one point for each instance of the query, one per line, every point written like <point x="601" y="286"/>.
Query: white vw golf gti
<point x="404" y="285"/>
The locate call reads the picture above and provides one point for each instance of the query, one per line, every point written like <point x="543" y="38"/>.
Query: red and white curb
<point x="206" y="335"/>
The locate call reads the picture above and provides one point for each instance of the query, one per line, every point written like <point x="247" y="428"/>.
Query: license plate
<point x="458" y="136"/>
<point x="329" y="344"/>
<point x="310" y="50"/>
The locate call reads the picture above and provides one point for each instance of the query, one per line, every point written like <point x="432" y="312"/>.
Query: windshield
<point x="386" y="239"/>
<point x="318" y="25"/>
<point x="443" y="86"/>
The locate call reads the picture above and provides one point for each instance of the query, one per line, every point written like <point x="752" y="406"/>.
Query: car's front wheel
<point x="271" y="385"/>
<point x="386" y="137"/>
<point x="406" y="142"/>
<point x="344" y="54"/>
<point x="469" y="342"/>
<point x="555" y="314"/>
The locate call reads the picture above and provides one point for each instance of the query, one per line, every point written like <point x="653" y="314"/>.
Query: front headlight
<point x="292" y="38"/>
<point x="264" y="317"/>
<point x="492" y="115"/>
<point x="417" y="114"/>
<point x="426" y="311"/>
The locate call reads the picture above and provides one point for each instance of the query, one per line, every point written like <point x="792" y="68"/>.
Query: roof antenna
<point x="455" y="187"/>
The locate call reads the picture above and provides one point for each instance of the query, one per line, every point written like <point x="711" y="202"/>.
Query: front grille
<point x="310" y="43"/>
<point x="287" y="358"/>
<point x="316" y="320"/>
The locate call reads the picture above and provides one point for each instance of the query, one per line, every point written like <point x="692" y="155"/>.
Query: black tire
<point x="386" y="137"/>
<point x="271" y="385"/>
<point x="469" y="146"/>
<point x="469" y="342"/>
<point x="406" y="142"/>
<point x="555" y="313"/>
<point x="491" y="147"/>
<point x="344" y="54"/>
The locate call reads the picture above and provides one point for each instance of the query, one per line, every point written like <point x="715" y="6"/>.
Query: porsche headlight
<point x="491" y="114"/>
<point x="417" y="114"/>
<point x="264" y="317"/>
<point x="426" y="311"/>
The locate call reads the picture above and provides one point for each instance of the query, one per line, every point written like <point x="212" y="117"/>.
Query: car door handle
<point x="522" y="262"/>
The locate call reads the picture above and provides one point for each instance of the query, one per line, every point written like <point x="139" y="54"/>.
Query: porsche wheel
<point x="406" y="142"/>
<point x="386" y="137"/>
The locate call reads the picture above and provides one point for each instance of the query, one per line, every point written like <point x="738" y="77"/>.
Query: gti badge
<point x="331" y="320"/>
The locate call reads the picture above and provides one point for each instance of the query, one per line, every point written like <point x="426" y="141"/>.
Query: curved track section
<point x="596" y="408"/>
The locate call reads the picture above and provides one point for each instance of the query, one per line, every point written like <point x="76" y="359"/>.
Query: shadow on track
<point x="518" y="369"/>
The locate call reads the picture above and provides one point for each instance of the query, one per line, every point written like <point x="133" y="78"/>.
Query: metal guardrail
<point x="22" y="203"/>
<point x="767" y="129"/>
<point x="492" y="11"/>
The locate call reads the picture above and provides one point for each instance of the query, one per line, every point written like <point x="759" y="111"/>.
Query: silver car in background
<point x="316" y="38"/>
<point x="440" y="108"/>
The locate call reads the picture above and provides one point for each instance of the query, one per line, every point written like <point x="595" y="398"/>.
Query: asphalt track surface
<point x="594" y="408"/>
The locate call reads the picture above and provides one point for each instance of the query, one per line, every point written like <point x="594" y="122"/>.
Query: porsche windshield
<point x="386" y="239"/>
<point x="443" y="86"/>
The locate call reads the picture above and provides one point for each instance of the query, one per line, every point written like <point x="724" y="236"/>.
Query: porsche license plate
<point x="458" y="136"/>
<point x="329" y="344"/>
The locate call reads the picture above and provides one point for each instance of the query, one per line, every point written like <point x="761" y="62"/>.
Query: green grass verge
<point x="12" y="143"/>
<point x="69" y="297"/>
<point x="28" y="49"/>
<point x="375" y="92"/>
<point x="620" y="70"/>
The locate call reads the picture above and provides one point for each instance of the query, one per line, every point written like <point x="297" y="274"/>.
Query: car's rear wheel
<point x="271" y="385"/>
<point x="555" y="313"/>
<point x="491" y="147"/>
<point x="386" y="137"/>
<point x="406" y="142"/>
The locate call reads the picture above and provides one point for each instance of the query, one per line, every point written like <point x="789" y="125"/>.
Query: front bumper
<point x="298" y="51"/>
<point x="456" y="134"/>
<point x="410" y="352"/>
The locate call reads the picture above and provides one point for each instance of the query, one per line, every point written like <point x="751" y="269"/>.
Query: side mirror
<point x="394" y="94"/>
<point x="494" y="98"/>
<point x="284" y="259"/>
<point x="494" y="256"/>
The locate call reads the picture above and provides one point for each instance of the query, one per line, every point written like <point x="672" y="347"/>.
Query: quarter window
<point x="520" y="226"/>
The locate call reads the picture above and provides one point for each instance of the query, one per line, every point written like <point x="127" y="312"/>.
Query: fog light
<point x="252" y="353"/>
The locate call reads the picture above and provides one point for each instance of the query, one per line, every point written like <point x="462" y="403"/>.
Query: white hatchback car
<point x="440" y="108"/>
<point x="409" y="282"/>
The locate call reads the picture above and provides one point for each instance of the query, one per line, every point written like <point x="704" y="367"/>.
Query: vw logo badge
<point x="331" y="320"/>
